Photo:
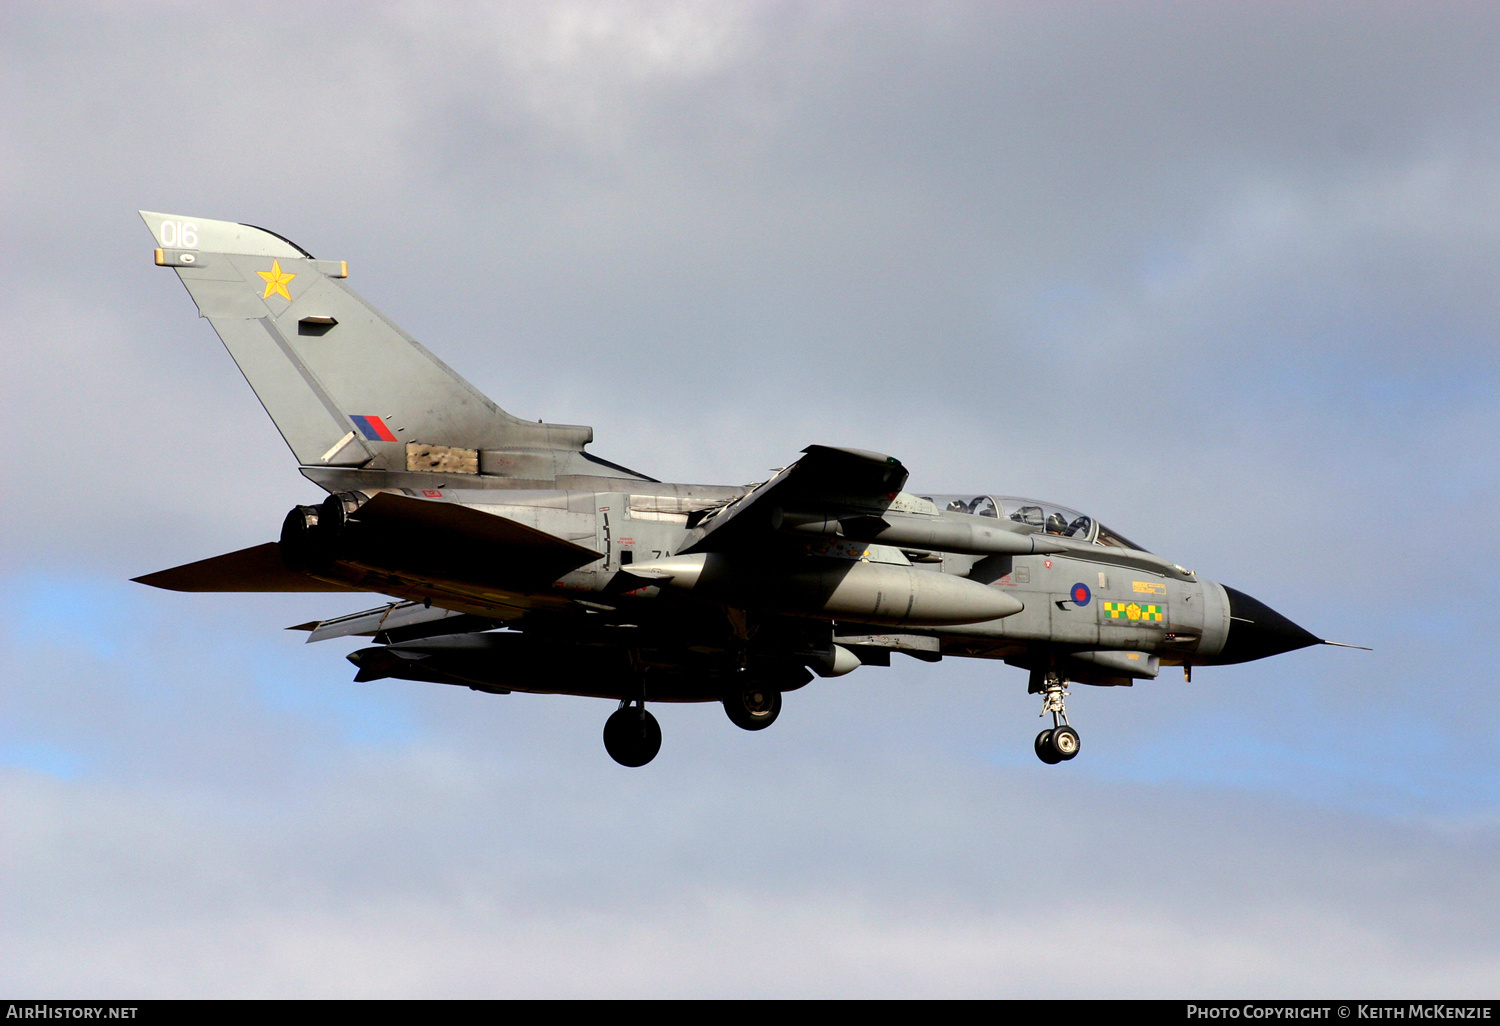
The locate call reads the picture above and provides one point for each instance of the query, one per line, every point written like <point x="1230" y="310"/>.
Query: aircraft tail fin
<point x="345" y="387"/>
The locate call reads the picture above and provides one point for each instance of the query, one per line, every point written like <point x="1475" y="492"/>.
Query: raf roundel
<point x="1080" y="594"/>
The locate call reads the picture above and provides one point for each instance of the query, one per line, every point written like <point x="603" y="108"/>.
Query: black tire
<point x="1064" y="743"/>
<point x="632" y="737"/>
<point x="1044" y="749"/>
<point x="754" y="707"/>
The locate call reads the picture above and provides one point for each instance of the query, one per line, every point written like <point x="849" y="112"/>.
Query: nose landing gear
<point x="1059" y="743"/>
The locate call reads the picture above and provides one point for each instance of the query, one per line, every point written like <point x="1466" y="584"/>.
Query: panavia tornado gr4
<point x="515" y="560"/>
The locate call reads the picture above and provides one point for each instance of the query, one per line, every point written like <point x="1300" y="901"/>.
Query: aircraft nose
<point x="1256" y="631"/>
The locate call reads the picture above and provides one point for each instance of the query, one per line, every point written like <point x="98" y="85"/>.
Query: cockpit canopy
<point x="1046" y="517"/>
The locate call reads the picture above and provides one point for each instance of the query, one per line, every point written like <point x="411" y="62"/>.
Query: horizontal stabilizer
<point x="258" y="568"/>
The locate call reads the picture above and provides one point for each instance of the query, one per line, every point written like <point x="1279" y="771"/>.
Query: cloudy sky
<point x="1221" y="274"/>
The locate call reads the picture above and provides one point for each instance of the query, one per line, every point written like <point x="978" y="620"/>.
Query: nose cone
<point x="1256" y="631"/>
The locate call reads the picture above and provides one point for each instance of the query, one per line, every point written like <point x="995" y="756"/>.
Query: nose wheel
<point x="1058" y="743"/>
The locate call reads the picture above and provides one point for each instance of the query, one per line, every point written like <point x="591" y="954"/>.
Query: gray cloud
<point x="938" y="888"/>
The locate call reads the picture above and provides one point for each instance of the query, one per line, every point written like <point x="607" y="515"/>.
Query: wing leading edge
<point x="825" y="480"/>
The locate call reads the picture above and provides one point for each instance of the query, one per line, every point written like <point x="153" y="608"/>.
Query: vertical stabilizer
<point x="345" y="387"/>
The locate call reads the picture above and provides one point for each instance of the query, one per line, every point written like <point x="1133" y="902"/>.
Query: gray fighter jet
<point x="518" y="561"/>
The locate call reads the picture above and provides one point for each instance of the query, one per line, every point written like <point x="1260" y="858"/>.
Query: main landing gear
<point x="632" y="737"/>
<point x="1060" y="742"/>
<point x="753" y="707"/>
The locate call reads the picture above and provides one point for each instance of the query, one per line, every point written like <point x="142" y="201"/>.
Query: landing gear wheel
<point x="1061" y="742"/>
<point x="1044" y="749"/>
<point x="754" y="707"/>
<point x="632" y="737"/>
<point x="1064" y="742"/>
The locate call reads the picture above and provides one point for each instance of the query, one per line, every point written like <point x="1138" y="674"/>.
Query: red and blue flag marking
<point x="1080" y="594"/>
<point x="373" y="428"/>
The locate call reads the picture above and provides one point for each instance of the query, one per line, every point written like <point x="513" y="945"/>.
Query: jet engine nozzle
<point x="310" y="535"/>
<point x="299" y="542"/>
<point x="335" y="511"/>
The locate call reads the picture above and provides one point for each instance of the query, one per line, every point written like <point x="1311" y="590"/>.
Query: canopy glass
<point x="1046" y="517"/>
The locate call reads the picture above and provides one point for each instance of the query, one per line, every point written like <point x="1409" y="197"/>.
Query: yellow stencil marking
<point x="276" y="280"/>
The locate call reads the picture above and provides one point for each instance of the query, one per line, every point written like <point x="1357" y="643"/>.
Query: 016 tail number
<point x="179" y="235"/>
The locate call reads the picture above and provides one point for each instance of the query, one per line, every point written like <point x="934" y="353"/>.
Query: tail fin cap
<point x="200" y="234"/>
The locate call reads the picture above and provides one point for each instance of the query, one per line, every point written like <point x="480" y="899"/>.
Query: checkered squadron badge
<point x="1135" y="614"/>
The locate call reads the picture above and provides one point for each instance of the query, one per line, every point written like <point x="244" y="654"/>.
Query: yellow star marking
<point x="276" y="281"/>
